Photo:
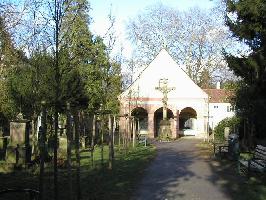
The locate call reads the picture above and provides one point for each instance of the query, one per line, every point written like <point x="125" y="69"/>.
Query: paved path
<point x="180" y="171"/>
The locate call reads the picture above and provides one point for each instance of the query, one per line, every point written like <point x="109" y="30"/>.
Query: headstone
<point x="62" y="148"/>
<point x="83" y="142"/>
<point x="226" y="132"/>
<point x="2" y="142"/>
<point x="19" y="149"/>
<point x="17" y="133"/>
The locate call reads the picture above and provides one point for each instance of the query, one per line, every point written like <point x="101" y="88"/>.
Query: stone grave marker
<point x="226" y="132"/>
<point x="19" y="149"/>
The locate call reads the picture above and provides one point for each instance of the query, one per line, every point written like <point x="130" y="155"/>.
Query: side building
<point x="219" y="105"/>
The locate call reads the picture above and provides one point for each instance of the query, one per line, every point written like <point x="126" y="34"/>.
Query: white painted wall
<point x="218" y="112"/>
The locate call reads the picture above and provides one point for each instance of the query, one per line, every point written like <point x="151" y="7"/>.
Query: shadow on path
<point x="180" y="171"/>
<point x="237" y="186"/>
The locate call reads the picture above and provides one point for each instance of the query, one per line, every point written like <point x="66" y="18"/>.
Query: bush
<point x="231" y="122"/>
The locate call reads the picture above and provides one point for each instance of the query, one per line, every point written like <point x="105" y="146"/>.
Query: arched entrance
<point x="187" y="121"/>
<point x="141" y="116"/>
<point x="158" y="116"/>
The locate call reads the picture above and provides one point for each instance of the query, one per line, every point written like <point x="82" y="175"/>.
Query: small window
<point x="215" y="106"/>
<point x="230" y="108"/>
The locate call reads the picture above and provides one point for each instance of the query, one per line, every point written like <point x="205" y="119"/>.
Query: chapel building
<point x="189" y="106"/>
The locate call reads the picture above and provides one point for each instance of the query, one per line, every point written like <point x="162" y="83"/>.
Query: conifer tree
<point x="75" y="50"/>
<point x="9" y="58"/>
<point x="246" y="19"/>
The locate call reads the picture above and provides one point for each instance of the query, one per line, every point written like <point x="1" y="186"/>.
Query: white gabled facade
<point x="189" y="106"/>
<point x="188" y="103"/>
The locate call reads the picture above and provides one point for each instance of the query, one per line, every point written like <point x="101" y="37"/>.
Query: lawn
<point x="97" y="182"/>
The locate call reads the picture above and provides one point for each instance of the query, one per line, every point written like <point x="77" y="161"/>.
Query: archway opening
<point x="187" y="121"/>
<point x="158" y="116"/>
<point x="141" y="116"/>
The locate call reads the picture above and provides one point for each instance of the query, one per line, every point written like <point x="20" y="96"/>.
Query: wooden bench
<point x="257" y="163"/>
<point x="31" y="194"/>
<point x="142" y="139"/>
<point x="222" y="148"/>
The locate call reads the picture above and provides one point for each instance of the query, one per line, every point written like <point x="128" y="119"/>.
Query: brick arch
<point x="141" y="118"/>
<point x="140" y="108"/>
<point x="190" y="110"/>
<point x="151" y="108"/>
<point x="187" y="118"/>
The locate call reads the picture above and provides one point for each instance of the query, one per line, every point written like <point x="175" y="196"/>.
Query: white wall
<point x="218" y="112"/>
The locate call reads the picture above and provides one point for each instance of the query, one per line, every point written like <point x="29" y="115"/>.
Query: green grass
<point x="97" y="182"/>
<point x="245" y="156"/>
<point x="121" y="181"/>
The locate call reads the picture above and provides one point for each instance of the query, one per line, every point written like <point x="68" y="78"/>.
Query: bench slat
<point x="256" y="166"/>
<point x="261" y="147"/>
<point x="258" y="162"/>
<point x="261" y="150"/>
<point x="260" y="154"/>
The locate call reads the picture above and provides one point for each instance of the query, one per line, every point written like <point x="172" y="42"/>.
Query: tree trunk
<point x="69" y="148"/>
<point x="76" y="121"/>
<point x="102" y="130"/>
<point x="125" y="135"/>
<point x="34" y="134"/>
<point x="110" y="141"/>
<point x="119" y="137"/>
<point x="92" y="139"/>
<point x="134" y="133"/>
<point x="42" y="150"/>
<point x="113" y="141"/>
<point x="55" y="155"/>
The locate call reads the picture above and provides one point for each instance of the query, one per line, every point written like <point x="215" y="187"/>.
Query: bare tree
<point x="194" y="38"/>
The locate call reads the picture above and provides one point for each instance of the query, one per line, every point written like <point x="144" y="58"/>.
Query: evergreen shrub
<point x="231" y="122"/>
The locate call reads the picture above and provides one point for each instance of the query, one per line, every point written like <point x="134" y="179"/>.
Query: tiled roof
<point x="219" y="95"/>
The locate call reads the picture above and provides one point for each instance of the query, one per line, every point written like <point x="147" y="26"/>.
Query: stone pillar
<point x="173" y="128"/>
<point x="151" y="125"/>
<point x="177" y="124"/>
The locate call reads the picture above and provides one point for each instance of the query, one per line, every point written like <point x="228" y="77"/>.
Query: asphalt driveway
<point x="181" y="172"/>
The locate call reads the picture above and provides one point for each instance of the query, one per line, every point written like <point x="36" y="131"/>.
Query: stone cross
<point x="163" y="87"/>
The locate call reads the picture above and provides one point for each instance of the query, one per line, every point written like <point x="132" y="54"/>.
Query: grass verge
<point x="96" y="182"/>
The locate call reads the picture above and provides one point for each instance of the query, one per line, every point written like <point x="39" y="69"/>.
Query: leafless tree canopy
<point x="194" y="38"/>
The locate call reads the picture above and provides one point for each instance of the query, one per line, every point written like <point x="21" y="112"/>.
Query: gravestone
<point x="226" y="132"/>
<point x="19" y="149"/>
<point x="18" y="133"/>
<point x="3" y="144"/>
<point x="62" y="147"/>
